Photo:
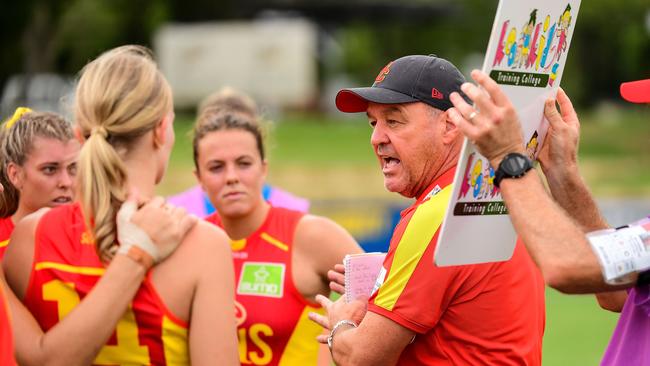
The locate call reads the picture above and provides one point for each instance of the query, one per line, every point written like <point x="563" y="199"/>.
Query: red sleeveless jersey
<point x="6" y="337"/>
<point x="272" y="322"/>
<point x="6" y="228"/>
<point x="65" y="269"/>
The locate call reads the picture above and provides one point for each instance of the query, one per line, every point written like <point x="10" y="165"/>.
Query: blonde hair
<point x="121" y="96"/>
<point x="228" y="99"/>
<point x="17" y="137"/>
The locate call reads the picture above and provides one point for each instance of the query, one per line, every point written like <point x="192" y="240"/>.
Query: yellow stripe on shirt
<point x="302" y="349"/>
<point x="4" y="243"/>
<point x="175" y="340"/>
<point x="91" y="271"/>
<point x="275" y="242"/>
<point x="416" y="237"/>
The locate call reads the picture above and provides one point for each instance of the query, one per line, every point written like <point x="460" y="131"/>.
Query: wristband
<point x="139" y="256"/>
<point x="330" y="339"/>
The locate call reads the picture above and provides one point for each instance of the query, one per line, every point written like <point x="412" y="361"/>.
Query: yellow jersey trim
<point x="175" y="341"/>
<point x="275" y="242"/>
<point x="414" y="241"/>
<point x="91" y="271"/>
<point x="302" y="349"/>
<point x="4" y="243"/>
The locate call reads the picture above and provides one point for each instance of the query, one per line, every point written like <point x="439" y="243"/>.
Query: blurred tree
<point x="610" y="44"/>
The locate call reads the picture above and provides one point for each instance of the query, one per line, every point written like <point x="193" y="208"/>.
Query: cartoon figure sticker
<point x="536" y="50"/>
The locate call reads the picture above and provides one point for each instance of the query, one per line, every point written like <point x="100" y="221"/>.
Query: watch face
<point x="515" y="164"/>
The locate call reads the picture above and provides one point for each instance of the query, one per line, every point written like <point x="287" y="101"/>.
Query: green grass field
<point x="324" y="158"/>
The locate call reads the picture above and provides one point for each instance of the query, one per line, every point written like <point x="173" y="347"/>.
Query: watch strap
<point x="501" y="172"/>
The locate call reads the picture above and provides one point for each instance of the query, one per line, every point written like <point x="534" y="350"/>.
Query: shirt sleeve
<point x="413" y="292"/>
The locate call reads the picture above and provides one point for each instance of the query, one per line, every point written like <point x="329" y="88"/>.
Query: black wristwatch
<point x="513" y="165"/>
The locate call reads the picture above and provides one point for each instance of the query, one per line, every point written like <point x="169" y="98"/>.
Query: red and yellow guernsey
<point x="6" y="228"/>
<point x="6" y="337"/>
<point x="272" y="321"/>
<point x="65" y="269"/>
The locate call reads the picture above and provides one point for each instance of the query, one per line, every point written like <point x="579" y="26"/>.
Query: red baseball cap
<point x="636" y="91"/>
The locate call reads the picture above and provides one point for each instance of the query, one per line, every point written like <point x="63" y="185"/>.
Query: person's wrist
<point x="345" y="323"/>
<point x="496" y="160"/>
<point x="127" y="265"/>
<point x="139" y="256"/>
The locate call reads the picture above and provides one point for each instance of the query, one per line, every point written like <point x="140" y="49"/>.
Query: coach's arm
<point x="556" y="242"/>
<point x="376" y="341"/>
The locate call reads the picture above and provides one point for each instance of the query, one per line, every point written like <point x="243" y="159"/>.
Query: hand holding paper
<point x="361" y="271"/>
<point x="495" y="129"/>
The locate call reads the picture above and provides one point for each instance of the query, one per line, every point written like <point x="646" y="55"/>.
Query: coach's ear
<point x="451" y="131"/>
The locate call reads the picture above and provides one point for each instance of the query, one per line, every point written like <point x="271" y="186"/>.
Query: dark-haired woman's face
<point x="231" y="171"/>
<point x="47" y="177"/>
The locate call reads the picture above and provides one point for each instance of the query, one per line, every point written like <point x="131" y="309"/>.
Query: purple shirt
<point x="630" y="343"/>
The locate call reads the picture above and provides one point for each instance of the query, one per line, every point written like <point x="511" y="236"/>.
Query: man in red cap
<point x="553" y="228"/>
<point x="420" y="314"/>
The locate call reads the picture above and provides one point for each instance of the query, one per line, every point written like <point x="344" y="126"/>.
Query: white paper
<point x="622" y="252"/>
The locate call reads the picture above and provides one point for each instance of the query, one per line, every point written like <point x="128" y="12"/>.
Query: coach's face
<point x="408" y="140"/>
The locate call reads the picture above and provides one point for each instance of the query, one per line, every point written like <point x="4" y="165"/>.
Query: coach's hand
<point x="336" y="311"/>
<point x="492" y="125"/>
<point x="559" y="154"/>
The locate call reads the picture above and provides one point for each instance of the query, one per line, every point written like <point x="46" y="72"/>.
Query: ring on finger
<point x="472" y="116"/>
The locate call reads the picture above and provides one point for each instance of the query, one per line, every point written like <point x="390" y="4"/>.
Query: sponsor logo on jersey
<point x="261" y="279"/>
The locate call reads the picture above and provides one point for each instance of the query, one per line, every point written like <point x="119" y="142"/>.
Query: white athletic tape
<point x="129" y="234"/>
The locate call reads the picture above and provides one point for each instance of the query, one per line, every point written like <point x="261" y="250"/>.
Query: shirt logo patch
<point x="261" y="279"/>
<point x="433" y="192"/>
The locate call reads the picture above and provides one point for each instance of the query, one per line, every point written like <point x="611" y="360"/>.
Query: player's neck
<point x="243" y="226"/>
<point x="142" y="177"/>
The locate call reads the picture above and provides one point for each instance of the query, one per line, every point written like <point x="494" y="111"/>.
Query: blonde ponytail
<point x="121" y="96"/>
<point x="102" y="183"/>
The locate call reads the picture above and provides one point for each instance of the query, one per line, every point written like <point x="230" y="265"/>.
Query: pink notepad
<point x="361" y="271"/>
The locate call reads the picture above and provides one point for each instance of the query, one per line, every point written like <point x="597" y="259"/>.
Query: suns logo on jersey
<point x="87" y="238"/>
<point x="240" y="313"/>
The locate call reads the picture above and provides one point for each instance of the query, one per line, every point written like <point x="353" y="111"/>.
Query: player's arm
<point x="212" y="333"/>
<point x="77" y="338"/>
<point x="325" y="243"/>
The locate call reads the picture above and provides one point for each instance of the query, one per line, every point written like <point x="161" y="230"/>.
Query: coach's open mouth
<point x="389" y="163"/>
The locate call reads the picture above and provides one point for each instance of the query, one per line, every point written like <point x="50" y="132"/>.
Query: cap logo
<point x="383" y="73"/>
<point x="436" y="94"/>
